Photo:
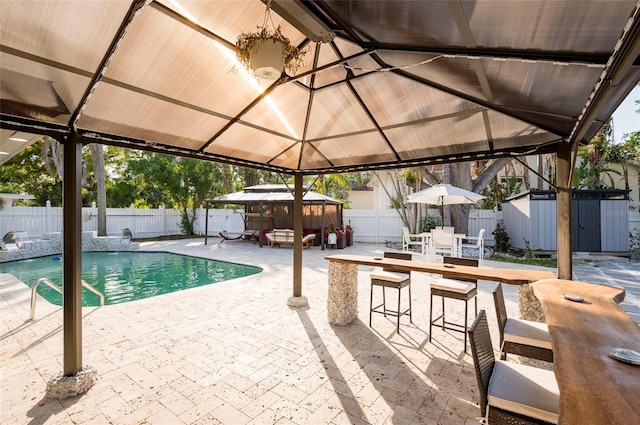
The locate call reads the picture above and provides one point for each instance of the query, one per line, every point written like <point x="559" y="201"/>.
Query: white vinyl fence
<point x="376" y="226"/>
<point x="37" y="221"/>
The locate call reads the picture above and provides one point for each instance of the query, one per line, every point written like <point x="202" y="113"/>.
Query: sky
<point x="625" y="119"/>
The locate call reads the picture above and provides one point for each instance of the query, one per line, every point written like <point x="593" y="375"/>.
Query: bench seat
<point x="285" y="236"/>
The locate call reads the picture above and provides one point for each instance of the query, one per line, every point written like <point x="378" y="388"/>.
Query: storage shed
<point x="599" y="220"/>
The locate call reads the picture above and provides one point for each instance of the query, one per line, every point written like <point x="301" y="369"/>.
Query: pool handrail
<point x="32" y="311"/>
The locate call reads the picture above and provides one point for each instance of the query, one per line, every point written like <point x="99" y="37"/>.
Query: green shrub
<point x="634" y="240"/>
<point x="430" y="222"/>
<point x="501" y="238"/>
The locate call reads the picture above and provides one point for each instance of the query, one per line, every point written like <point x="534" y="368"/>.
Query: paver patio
<point x="235" y="353"/>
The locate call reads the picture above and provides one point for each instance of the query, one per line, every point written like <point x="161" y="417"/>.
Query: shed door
<point x="585" y="225"/>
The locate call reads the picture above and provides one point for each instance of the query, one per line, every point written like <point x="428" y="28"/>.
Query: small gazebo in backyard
<point x="270" y="206"/>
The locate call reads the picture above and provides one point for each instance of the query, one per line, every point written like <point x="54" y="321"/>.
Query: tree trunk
<point x="460" y="175"/>
<point x="97" y="152"/>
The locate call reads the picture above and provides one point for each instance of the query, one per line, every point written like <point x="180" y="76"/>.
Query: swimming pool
<point x="128" y="276"/>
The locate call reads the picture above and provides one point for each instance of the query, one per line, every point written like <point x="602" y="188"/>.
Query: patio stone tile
<point x="323" y="415"/>
<point x="285" y="421"/>
<point x="344" y="418"/>
<point x="141" y="414"/>
<point x="200" y="410"/>
<point x="292" y="411"/>
<point x="227" y="414"/>
<point x="79" y="413"/>
<point x="319" y="397"/>
<point x="368" y="394"/>
<point x="238" y="381"/>
<point x="348" y="409"/>
<point x="267" y="416"/>
<point x="289" y="392"/>
<point x="114" y="408"/>
<point x="449" y="418"/>
<point x="165" y="417"/>
<point x="205" y="420"/>
<point x="231" y="395"/>
<point x="402" y="416"/>
<point x="261" y="402"/>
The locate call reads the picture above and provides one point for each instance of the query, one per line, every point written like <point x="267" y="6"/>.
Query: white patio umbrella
<point x="444" y="194"/>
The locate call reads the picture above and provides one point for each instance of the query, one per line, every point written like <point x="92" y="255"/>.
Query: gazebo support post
<point x="261" y="222"/>
<point x="74" y="379"/>
<point x="563" y="211"/>
<point x="297" y="300"/>
<point x="324" y="223"/>
<point x="206" y="224"/>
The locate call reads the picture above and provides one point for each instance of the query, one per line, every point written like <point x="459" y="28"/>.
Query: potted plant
<point x="341" y="240"/>
<point x="332" y="234"/>
<point x="266" y="53"/>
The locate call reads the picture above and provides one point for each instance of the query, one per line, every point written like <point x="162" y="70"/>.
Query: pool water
<point x="128" y="276"/>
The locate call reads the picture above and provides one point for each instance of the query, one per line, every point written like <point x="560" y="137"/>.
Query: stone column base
<point x="295" y="302"/>
<point x="530" y="307"/>
<point x="70" y="386"/>
<point x="342" y="302"/>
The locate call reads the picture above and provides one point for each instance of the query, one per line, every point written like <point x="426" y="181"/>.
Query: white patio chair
<point x="479" y="244"/>
<point x="409" y="240"/>
<point x="441" y="242"/>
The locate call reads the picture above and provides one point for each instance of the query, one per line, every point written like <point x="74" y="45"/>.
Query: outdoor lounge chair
<point x="126" y="235"/>
<point x="521" y="337"/>
<point x="11" y="241"/>
<point x="511" y="393"/>
<point x="285" y="236"/>
<point x="227" y="236"/>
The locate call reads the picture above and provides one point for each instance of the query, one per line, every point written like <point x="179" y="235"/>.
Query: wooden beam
<point x="563" y="211"/>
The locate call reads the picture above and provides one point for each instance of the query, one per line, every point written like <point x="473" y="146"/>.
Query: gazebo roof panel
<point x="156" y="75"/>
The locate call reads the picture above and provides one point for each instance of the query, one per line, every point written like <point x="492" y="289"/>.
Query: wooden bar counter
<point x="342" y="304"/>
<point x="594" y="388"/>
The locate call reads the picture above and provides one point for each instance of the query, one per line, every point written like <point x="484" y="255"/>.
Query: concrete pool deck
<point x="235" y="353"/>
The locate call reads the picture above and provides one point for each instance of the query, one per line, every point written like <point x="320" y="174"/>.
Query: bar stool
<point x="391" y="278"/>
<point x="458" y="289"/>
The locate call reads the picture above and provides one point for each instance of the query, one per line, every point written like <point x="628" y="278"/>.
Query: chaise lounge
<point x="285" y="236"/>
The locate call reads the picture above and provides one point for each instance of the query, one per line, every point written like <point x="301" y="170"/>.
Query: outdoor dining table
<point x="594" y="387"/>
<point x="342" y="300"/>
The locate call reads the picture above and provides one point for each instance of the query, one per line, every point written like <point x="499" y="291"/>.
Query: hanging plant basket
<point x="268" y="59"/>
<point x="266" y="53"/>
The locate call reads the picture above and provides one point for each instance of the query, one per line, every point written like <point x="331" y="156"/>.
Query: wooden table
<point x="594" y="388"/>
<point x="342" y="301"/>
